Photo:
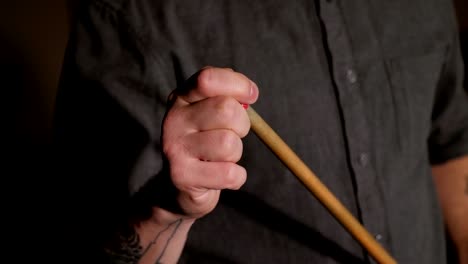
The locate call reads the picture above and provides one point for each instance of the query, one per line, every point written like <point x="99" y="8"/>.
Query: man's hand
<point x="202" y="137"/>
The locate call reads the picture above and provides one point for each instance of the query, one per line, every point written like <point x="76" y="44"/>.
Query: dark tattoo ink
<point x="155" y="239"/>
<point x="126" y="248"/>
<point x="177" y="225"/>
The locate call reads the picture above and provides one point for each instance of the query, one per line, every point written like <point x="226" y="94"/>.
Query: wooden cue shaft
<point x="318" y="189"/>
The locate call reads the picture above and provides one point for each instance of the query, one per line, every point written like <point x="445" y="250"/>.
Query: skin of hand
<point x="202" y="137"/>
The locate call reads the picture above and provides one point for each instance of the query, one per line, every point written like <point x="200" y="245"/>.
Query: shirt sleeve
<point x="109" y="111"/>
<point x="449" y="134"/>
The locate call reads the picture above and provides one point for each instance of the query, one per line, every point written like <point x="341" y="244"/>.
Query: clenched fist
<point x="202" y="135"/>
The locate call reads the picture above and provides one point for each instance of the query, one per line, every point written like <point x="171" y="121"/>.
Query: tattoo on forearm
<point x="177" y="225"/>
<point x="126" y="248"/>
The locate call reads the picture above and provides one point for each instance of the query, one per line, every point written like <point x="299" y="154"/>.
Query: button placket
<point x="346" y="77"/>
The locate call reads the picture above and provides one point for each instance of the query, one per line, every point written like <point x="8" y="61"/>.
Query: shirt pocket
<point x="413" y="84"/>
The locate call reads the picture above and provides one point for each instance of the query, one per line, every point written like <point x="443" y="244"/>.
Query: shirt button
<point x="363" y="159"/>
<point x="351" y="76"/>
<point x="378" y="237"/>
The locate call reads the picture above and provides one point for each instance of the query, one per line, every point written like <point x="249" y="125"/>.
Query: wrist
<point x="163" y="230"/>
<point x="163" y="217"/>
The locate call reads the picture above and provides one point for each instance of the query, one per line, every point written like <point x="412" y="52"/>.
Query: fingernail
<point x="245" y="106"/>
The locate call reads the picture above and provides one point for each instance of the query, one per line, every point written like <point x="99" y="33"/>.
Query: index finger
<point x="211" y="81"/>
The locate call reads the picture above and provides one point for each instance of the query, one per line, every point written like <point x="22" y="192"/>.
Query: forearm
<point x="451" y="180"/>
<point x="157" y="240"/>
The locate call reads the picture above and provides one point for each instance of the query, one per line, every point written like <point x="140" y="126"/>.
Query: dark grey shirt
<point x="368" y="93"/>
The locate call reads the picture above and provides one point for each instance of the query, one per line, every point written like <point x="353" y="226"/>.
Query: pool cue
<point x="318" y="189"/>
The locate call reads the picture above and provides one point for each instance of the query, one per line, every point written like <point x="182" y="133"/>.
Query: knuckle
<point x="231" y="144"/>
<point x="168" y="121"/>
<point x="242" y="177"/>
<point x="244" y="124"/>
<point x="170" y="150"/>
<point x="226" y="108"/>
<point x="231" y="176"/>
<point x="171" y="122"/>
<point x="178" y="166"/>
<point x="172" y="134"/>
<point x="179" y="176"/>
<point x="204" y="78"/>
<point x="247" y="83"/>
<point x="228" y="141"/>
<point x="174" y="148"/>
<point x="244" y="130"/>
<point x="176" y="176"/>
<point x="244" y="81"/>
